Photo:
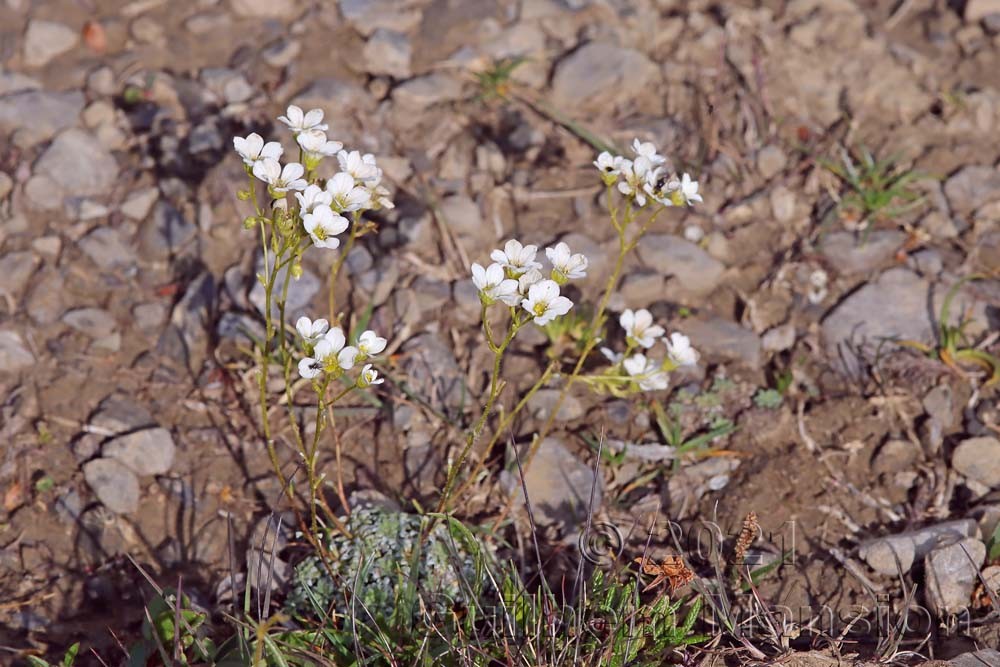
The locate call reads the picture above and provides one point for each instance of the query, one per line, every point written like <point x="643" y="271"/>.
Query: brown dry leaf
<point x="672" y="570"/>
<point x="14" y="497"/>
<point x="95" y="37"/>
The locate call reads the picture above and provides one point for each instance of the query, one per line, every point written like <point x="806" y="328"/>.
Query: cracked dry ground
<point x="128" y="282"/>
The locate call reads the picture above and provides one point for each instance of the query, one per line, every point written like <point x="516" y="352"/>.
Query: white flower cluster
<point x="641" y="332"/>
<point x="516" y="279"/>
<point x="327" y="352"/>
<point x="357" y="187"/>
<point x="644" y="177"/>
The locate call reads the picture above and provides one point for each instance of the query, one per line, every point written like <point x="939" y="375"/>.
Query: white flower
<point x="361" y="167"/>
<point x="614" y="357"/>
<point x="679" y="350"/>
<point x="494" y="285"/>
<point x="544" y="302"/>
<point x="639" y="327"/>
<point x="647" y="150"/>
<point x="527" y="279"/>
<point x="311" y="331"/>
<point x="311" y="198"/>
<point x="252" y="148"/>
<point x="818" y="278"/>
<point x="379" y="195"/>
<point x="663" y="189"/>
<point x="280" y="179"/>
<point x="323" y="225"/>
<point x="689" y="190"/>
<point x="566" y="266"/>
<point x="369" y="376"/>
<point x="327" y="355"/>
<point x="817" y="286"/>
<point x="637" y="175"/>
<point x="345" y="194"/>
<point x="646" y="372"/>
<point x="299" y="122"/>
<point x="609" y="165"/>
<point x="370" y="344"/>
<point x="516" y="258"/>
<point x="348" y="357"/>
<point x="315" y="144"/>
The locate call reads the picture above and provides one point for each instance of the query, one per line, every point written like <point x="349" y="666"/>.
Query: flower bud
<point x="249" y="222"/>
<point x="243" y="195"/>
<point x="297" y="270"/>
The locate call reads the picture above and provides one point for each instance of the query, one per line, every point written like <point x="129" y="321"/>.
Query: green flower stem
<point x="495" y="388"/>
<point x="339" y="263"/>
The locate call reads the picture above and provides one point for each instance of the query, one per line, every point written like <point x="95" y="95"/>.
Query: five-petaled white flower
<point x="280" y="179"/>
<point x="345" y="195"/>
<point x="609" y="165"/>
<point x="545" y="303"/>
<point x="316" y="146"/>
<point x="516" y="258"/>
<point x="646" y="373"/>
<point x="252" y="148"/>
<point x="646" y="149"/>
<point x="565" y="265"/>
<point x="639" y="327"/>
<point x="636" y="177"/>
<point x="494" y="285"/>
<point x="369" y="376"/>
<point x="323" y="225"/>
<point x="370" y="344"/>
<point x="311" y="331"/>
<point x="329" y="355"/>
<point x="361" y="167"/>
<point x="303" y="122"/>
<point x="313" y="197"/>
<point x="688" y="190"/>
<point x="679" y="350"/>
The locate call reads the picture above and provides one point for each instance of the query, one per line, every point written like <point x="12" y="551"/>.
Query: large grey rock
<point x="951" y="574"/>
<point x="44" y="40"/>
<point x="977" y="10"/>
<point x="851" y="253"/>
<point x="146" y="452"/>
<point x="895" y="306"/>
<point x="972" y="187"/>
<point x="12" y="82"/>
<point x="367" y="16"/>
<point x="597" y="76"/>
<point x="984" y="657"/>
<point x="387" y="52"/>
<point x="558" y="486"/>
<point x="544" y="402"/>
<point x="880" y="553"/>
<point x="14" y="354"/>
<point x="49" y="112"/>
<point x="979" y="459"/>
<point x="119" y="413"/>
<point x="694" y="269"/>
<point x="427" y="90"/>
<point x="187" y="338"/>
<point x="432" y="371"/>
<point x="78" y="163"/>
<point x="723" y="338"/>
<point x="114" y="484"/>
<point x="166" y="233"/>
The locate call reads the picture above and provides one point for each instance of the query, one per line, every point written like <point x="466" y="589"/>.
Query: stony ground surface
<point x="127" y="418"/>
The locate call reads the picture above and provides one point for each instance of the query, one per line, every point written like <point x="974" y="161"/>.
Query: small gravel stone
<point x="47" y="245"/>
<point x="281" y="52"/>
<point x="118" y="413"/>
<point x="979" y="460"/>
<point x="544" y="401"/>
<point x="425" y="91"/>
<point x="45" y="302"/>
<point x="977" y="10"/>
<point x="951" y="574"/>
<point x="106" y="248"/>
<point x="166" y="233"/>
<point x="782" y="204"/>
<point x="6" y="184"/>
<point x="139" y="203"/>
<point x="115" y="485"/>
<point x="273" y="9"/>
<point x="102" y="81"/>
<point x="16" y="269"/>
<point x="79" y="164"/>
<point x="984" y="657"/>
<point x="729" y="340"/>
<point x="14" y="354"/>
<point x="851" y="253"/>
<point x="939" y="405"/>
<point x="770" y="161"/>
<point x="44" y="40"/>
<point x="972" y="187"/>
<point x="92" y="322"/>
<point x="880" y="553"/>
<point x="367" y="16"/>
<point x="558" y="486"/>
<point x="894" y="456"/>
<point x="146" y="452"/>
<point x="780" y="338"/>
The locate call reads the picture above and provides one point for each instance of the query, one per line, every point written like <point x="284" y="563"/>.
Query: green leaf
<point x="70" y="656"/>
